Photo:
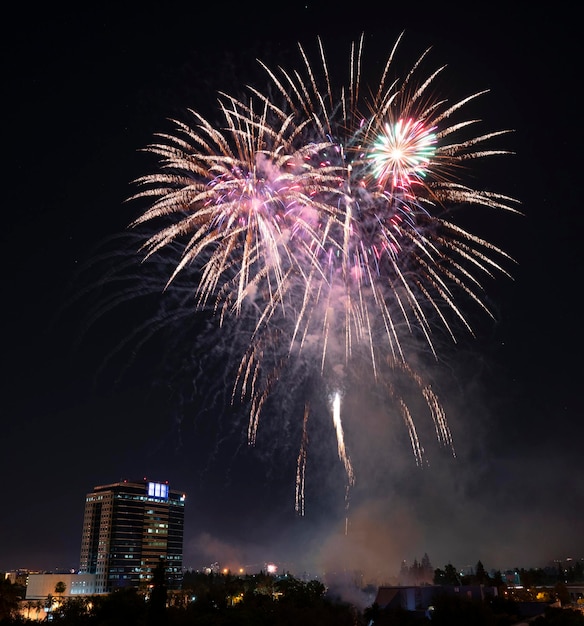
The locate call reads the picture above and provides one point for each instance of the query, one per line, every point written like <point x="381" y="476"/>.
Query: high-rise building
<point x="129" y="528"/>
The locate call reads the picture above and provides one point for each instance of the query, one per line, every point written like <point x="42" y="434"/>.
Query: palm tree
<point x="49" y="604"/>
<point x="29" y="606"/>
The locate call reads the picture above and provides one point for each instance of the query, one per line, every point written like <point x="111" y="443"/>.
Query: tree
<point x="29" y="606"/>
<point x="38" y="607"/>
<point x="498" y="580"/>
<point x="158" y="596"/>
<point x="481" y="576"/>
<point x="49" y="600"/>
<point x="73" y="611"/>
<point x="298" y="593"/>
<point x="447" y="576"/>
<point x="123" y="607"/>
<point x="427" y="569"/>
<point x="562" y="594"/>
<point x="60" y="590"/>
<point x="8" y="599"/>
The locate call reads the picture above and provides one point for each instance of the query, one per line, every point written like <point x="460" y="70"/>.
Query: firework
<point x="322" y="220"/>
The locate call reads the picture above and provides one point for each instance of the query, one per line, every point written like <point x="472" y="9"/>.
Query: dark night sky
<point x="83" y="93"/>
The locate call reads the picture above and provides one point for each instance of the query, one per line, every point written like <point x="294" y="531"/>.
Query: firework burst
<point x="322" y="220"/>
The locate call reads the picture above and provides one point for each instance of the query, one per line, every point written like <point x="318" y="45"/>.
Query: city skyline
<point x="98" y="89"/>
<point x="405" y="574"/>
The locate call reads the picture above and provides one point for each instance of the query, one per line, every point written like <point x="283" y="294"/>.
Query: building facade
<point x="40" y="586"/>
<point x="129" y="528"/>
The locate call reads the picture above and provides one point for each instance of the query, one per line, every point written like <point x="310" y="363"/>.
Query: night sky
<point x="83" y="93"/>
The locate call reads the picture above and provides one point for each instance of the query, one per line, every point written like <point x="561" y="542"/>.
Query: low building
<point x="41" y="586"/>
<point x="420" y="598"/>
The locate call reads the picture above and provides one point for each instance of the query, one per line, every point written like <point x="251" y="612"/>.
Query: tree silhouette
<point x="481" y="577"/>
<point x="158" y="596"/>
<point x="447" y="576"/>
<point x="8" y="599"/>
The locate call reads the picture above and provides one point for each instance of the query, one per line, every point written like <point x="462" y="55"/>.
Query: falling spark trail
<point x="301" y="466"/>
<point x="343" y="456"/>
